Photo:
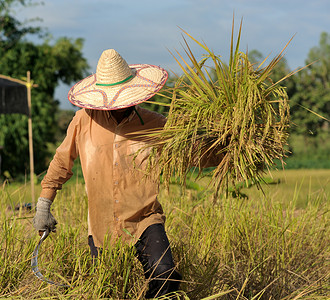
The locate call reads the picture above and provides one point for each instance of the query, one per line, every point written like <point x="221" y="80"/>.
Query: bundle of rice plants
<point x="230" y="112"/>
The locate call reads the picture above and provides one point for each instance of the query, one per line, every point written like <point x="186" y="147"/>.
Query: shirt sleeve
<point x="60" y="168"/>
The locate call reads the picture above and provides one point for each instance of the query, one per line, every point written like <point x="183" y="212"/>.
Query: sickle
<point x="34" y="262"/>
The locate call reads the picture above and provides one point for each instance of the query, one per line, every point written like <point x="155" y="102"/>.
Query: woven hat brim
<point x="147" y="81"/>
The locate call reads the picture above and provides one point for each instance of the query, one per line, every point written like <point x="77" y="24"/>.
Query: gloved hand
<point x="43" y="219"/>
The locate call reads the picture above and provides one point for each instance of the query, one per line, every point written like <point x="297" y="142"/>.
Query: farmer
<point x="122" y="201"/>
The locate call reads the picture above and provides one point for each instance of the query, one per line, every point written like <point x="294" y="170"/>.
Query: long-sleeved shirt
<point x="122" y="201"/>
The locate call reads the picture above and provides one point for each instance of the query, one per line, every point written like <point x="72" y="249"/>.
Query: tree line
<point x="50" y="62"/>
<point x="61" y="60"/>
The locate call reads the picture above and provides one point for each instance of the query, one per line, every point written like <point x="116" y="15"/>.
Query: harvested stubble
<point x="234" y="111"/>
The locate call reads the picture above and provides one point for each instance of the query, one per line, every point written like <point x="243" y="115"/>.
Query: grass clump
<point x="261" y="249"/>
<point x="234" y="111"/>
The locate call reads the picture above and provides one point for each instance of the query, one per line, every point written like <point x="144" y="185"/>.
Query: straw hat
<point x="116" y="84"/>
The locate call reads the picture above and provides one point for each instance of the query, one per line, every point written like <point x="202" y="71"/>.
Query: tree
<point x="255" y="57"/>
<point x="49" y="62"/>
<point x="11" y="29"/>
<point x="280" y="71"/>
<point x="309" y="139"/>
<point x="313" y="91"/>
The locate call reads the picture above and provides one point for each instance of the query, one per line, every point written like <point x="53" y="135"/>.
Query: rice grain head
<point x="233" y="111"/>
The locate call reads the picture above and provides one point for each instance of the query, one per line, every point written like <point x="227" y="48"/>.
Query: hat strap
<point x="142" y="123"/>
<point x="116" y="83"/>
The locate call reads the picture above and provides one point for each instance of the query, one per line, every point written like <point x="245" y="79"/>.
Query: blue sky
<point x="143" y="31"/>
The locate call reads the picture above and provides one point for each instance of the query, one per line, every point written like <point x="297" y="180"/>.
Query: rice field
<point x="247" y="246"/>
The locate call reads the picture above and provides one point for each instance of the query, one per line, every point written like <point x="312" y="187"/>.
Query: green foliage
<point x="63" y="118"/>
<point x="49" y="62"/>
<point x="308" y="152"/>
<point x="308" y="89"/>
<point x="313" y="91"/>
<point x="11" y="29"/>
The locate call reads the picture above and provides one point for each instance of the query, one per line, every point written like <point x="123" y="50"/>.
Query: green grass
<point x="272" y="246"/>
<point x="298" y="186"/>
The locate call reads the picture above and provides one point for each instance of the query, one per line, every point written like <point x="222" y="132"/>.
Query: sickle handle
<point x="44" y="235"/>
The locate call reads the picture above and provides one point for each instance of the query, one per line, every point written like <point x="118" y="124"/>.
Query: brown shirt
<point x="122" y="202"/>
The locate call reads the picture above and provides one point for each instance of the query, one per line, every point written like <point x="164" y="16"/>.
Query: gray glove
<point x="44" y="219"/>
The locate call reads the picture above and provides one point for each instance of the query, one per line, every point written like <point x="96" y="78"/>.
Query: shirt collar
<point x="129" y="118"/>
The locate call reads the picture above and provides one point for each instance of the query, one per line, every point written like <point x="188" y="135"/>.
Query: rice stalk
<point x="234" y="115"/>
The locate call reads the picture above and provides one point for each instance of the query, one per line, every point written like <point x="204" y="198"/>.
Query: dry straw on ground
<point x="233" y="111"/>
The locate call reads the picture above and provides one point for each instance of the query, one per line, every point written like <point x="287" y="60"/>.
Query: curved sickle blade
<point x="34" y="262"/>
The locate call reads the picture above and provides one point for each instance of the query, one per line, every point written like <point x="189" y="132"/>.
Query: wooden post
<point x="28" y="86"/>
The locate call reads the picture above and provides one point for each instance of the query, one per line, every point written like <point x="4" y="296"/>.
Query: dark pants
<point x="154" y="253"/>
